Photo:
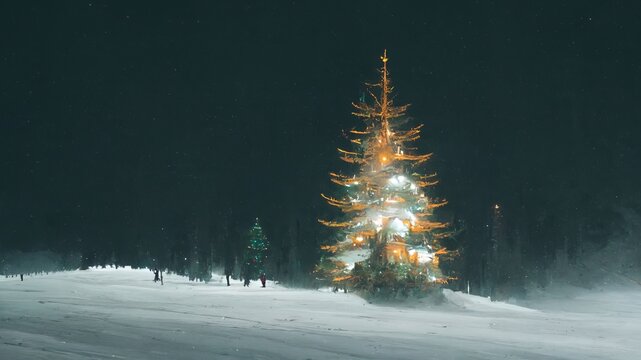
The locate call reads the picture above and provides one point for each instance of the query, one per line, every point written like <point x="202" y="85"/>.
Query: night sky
<point x="120" y="120"/>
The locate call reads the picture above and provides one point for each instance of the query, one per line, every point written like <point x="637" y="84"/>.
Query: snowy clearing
<point x="122" y="314"/>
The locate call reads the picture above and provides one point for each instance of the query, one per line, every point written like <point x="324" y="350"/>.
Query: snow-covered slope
<point x="122" y="314"/>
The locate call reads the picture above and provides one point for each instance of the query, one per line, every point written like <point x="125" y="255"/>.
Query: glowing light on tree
<point x="389" y="236"/>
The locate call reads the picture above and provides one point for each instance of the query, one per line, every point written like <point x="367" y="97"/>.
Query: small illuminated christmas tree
<point x="256" y="252"/>
<point x="389" y="240"/>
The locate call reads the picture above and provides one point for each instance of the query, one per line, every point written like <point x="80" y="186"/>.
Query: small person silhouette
<point x="263" y="279"/>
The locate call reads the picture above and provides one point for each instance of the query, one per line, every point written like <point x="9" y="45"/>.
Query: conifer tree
<point x="256" y="252"/>
<point x="389" y="240"/>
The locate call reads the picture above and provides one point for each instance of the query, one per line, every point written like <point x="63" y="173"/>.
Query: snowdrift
<point x="123" y="314"/>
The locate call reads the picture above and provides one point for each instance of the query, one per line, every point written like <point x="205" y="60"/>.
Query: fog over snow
<point x="123" y="314"/>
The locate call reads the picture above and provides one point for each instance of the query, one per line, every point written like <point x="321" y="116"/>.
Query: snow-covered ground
<point x="122" y="314"/>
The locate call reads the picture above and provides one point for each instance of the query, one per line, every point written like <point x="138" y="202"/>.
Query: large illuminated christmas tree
<point x="389" y="240"/>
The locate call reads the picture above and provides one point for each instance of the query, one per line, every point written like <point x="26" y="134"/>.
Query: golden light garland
<point x="386" y="203"/>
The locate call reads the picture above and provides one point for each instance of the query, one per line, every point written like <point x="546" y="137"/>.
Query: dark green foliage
<point x="17" y="262"/>
<point x="256" y="252"/>
<point x="328" y="270"/>
<point x="391" y="280"/>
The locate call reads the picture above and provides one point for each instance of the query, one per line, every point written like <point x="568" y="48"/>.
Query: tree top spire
<point x="384" y="99"/>
<point x="384" y="57"/>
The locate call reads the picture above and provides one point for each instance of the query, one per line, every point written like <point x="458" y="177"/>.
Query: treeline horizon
<point x="501" y="259"/>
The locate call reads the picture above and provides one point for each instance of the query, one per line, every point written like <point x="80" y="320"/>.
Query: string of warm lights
<point x="389" y="214"/>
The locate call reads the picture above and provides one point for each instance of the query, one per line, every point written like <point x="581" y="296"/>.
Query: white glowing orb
<point x="424" y="255"/>
<point x="397" y="180"/>
<point x="396" y="226"/>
